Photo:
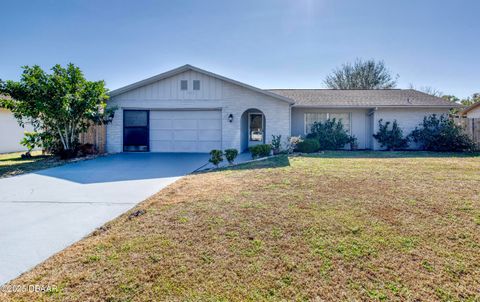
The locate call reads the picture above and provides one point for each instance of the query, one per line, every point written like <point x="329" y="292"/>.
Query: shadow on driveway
<point x="128" y="166"/>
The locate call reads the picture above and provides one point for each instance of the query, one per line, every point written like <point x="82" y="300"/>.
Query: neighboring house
<point x="10" y="133"/>
<point x="192" y="110"/>
<point x="472" y="112"/>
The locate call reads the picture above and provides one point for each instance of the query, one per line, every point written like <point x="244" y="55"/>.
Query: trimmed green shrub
<point x="330" y="134"/>
<point x="390" y="138"/>
<point x="260" y="150"/>
<point x="441" y="134"/>
<point x="230" y="155"/>
<point x="216" y="157"/>
<point x="308" y="146"/>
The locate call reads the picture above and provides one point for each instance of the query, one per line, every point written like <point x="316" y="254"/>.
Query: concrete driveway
<point x="42" y="213"/>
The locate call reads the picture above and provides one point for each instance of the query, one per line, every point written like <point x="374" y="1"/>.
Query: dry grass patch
<point x="300" y="228"/>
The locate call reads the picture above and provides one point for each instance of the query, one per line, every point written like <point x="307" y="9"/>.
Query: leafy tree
<point x="451" y="98"/>
<point x="475" y="98"/>
<point x="441" y="134"/>
<point x="390" y="138"/>
<point x="62" y="104"/>
<point x="330" y="134"/>
<point x="368" y="74"/>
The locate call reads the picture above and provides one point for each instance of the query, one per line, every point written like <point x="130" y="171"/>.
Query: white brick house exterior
<point x="216" y="93"/>
<point x="214" y="115"/>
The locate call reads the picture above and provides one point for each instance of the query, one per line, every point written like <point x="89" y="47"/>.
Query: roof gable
<point x="188" y="67"/>
<point x="470" y="108"/>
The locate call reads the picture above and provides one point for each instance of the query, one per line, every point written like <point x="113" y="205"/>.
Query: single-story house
<point x="189" y="109"/>
<point x="472" y="111"/>
<point x="11" y="133"/>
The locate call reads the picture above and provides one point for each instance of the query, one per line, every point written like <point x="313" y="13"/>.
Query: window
<point x="183" y="84"/>
<point x="312" y="117"/>
<point x="196" y="84"/>
<point x="256" y="127"/>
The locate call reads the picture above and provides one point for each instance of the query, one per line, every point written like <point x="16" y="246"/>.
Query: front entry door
<point x="256" y="129"/>
<point x="135" y="130"/>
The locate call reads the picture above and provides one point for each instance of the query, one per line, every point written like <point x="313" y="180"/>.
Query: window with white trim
<point x="316" y="117"/>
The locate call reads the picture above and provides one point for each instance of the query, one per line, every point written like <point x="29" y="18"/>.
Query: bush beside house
<point x="390" y="138"/>
<point x="441" y="134"/>
<point x="331" y="135"/>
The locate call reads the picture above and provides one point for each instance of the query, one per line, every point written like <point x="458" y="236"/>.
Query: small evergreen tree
<point x="216" y="157"/>
<point x="230" y="155"/>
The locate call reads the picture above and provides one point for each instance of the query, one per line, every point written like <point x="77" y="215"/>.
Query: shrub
<point x="260" y="150"/>
<point x="31" y="141"/>
<point x="353" y="142"/>
<point x="216" y="157"/>
<point x="441" y="134"/>
<point x="230" y="155"/>
<point x="390" y="138"/>
<point x="308" y="146"/>
<point x="292" y="143"/>
<point x="330" y="134"/>
<point x="276" y="143"/>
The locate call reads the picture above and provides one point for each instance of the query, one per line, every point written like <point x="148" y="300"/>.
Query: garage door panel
<point x="185" y="131"/>
<point x="185" y="124"/>
<point x="161" y="135"/>
<point x="161" y="146"/>
<point x="185" y="146"/>
<point x="209" y="135"/>
<point x="210" y="124"/>
<point x="180" y="135"/>
<point x="161" y="124"/>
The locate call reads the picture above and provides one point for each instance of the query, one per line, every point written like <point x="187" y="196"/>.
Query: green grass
<point x="13" y="164"/>
<point x="338" y="226"/>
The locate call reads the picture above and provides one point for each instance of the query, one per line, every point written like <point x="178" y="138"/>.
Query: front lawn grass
<point x="321" y="228"/>
<point x="13" y="163"/>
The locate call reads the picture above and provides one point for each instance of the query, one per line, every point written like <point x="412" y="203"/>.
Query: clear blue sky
<point x="268" y="44"/>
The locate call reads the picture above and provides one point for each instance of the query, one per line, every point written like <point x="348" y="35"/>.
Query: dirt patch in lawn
<point x="301" y="228"/>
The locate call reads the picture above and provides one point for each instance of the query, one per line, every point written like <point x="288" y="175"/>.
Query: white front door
<point x="185" y="130"/>
<point x="256" y="129"/>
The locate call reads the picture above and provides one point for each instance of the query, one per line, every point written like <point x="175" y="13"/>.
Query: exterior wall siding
<point x="359" y="122"/>
<point x="12" y="133"/>
<point x="213" y="94"/>
<point x="407" y="119"/>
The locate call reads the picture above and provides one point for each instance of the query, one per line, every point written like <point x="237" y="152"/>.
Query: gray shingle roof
<point x="362" y="98"/>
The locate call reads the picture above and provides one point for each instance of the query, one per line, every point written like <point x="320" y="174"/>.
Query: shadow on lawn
<point x="390" y="154"/>
<point x="272" y="162"/>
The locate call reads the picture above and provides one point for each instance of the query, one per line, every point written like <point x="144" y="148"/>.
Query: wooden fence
<point x="95" y="135"/>
<point x="471" y="126"/>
